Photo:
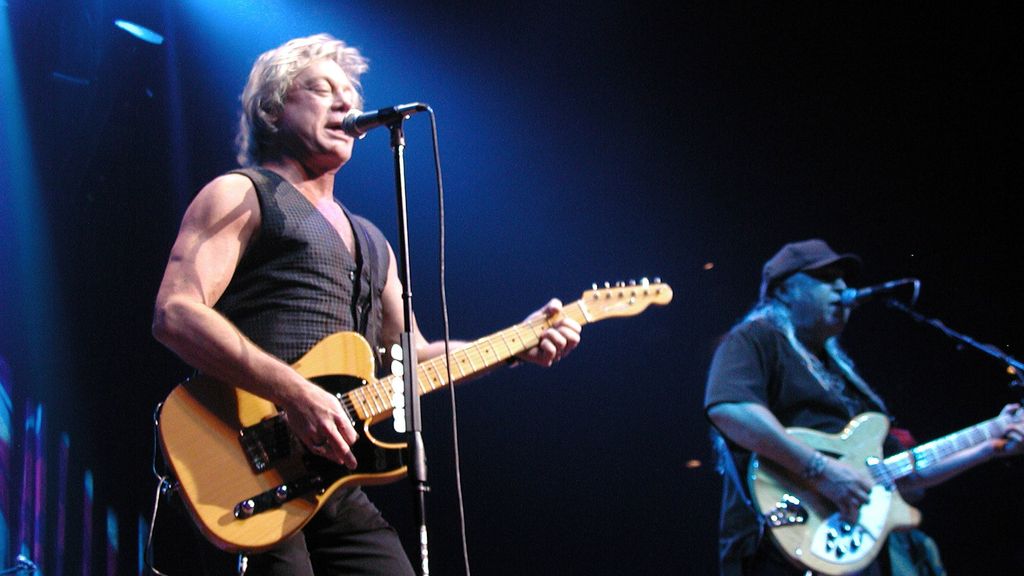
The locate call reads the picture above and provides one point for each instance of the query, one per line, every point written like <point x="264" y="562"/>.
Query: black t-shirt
<point x="756" y="363"/>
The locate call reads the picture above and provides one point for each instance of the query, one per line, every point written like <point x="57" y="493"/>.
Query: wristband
<point x="815" y="466"/>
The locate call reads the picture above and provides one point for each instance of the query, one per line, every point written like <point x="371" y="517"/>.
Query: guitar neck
<point x="927" y="455"/>
<point x="374" y="401"/>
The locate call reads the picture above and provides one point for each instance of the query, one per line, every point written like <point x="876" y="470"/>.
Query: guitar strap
<point x="861" y="385"/>
<point x="368" y="256"/>
<point x="363" y="244"/>
<point x="845" y="365"/>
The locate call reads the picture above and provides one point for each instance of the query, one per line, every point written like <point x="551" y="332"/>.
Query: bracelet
<point x="815" y="466"/>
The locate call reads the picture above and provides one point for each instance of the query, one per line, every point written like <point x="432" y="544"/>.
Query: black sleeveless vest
<point x="296" y="283"/>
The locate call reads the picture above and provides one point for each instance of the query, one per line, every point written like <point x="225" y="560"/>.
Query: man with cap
<point x="781" y="367"/>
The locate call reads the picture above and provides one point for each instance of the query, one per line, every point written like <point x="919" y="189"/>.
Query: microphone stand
<point x="413" y="424"/>
<point x="1013" y="366"/>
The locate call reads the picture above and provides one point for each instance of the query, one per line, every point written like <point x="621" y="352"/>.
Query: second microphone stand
<point x="1013" y="366"/>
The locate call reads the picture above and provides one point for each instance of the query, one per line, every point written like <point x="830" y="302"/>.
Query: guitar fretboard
<point x="905" y="463"/>
<point x="374" y="400"/>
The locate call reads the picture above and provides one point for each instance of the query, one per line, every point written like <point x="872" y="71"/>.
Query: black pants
<point x="347" y="537"/>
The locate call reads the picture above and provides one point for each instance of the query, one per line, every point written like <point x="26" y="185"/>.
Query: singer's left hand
<point x="557" y="341"/>
<point x="1012" y="442"/>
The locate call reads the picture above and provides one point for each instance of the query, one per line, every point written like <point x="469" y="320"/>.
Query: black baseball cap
<point x="801" y="256"/>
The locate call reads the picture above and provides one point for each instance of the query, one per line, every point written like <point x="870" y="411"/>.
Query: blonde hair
<point x="269" y="80"/>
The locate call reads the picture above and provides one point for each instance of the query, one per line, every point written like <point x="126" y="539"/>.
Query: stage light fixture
<point x="140" y="32"/>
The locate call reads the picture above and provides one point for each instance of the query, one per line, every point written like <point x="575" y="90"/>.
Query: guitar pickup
<point x="266" y="442"/>
<point x="787" y="512"/>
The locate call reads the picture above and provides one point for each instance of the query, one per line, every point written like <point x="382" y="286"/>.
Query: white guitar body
<point x="806" y="526"/>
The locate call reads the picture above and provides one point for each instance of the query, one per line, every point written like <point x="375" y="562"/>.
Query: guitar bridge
<point x="787" y="512"/>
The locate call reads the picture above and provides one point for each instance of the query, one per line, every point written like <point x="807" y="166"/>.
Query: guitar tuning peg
<point x="657" y="280"/>
<point x="607" y="285"/>
<point x="593" y="286"/>
<point x="620" y="284"/>
<point x="632" y="282"/>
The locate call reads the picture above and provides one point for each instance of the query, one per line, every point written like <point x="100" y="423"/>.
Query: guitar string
<point x="926" y="455"/>
<point x="373" y="398"/>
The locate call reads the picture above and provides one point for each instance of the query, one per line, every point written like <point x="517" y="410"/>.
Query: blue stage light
<point x="140" y="32"/>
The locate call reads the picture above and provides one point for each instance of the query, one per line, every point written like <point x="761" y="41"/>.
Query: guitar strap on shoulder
<point x="368" y="260"/>
<point x="365" y="255"/>
<point x="845" y="365"/>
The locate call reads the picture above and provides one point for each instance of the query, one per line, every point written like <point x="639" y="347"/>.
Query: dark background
<point x="581" y="142"/>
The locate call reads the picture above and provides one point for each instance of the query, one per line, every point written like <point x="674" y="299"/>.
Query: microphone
<point x="852" y="297"/>
<point x="357" y="123"/>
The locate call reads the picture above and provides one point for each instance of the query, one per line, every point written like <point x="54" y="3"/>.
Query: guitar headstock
<point x="624" y="298"/>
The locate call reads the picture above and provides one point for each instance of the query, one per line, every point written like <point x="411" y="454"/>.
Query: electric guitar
<point x="248" y="483"/>
<point x="806" y="526"/>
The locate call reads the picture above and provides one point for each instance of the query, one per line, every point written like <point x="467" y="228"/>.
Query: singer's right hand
<point x="319" y="420"/>
<point x="845" y="486"/>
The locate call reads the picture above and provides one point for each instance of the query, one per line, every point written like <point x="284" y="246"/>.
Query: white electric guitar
<point x="807" y="527"/>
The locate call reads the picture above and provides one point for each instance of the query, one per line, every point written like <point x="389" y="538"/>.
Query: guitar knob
<point x="281" y="493"/>
<point x="857" y="540"/>
<point x="245" y="509"/>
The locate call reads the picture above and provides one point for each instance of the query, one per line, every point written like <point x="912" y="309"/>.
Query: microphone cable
<point x="447" y="341"/>
<point x="163" y="485"/>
